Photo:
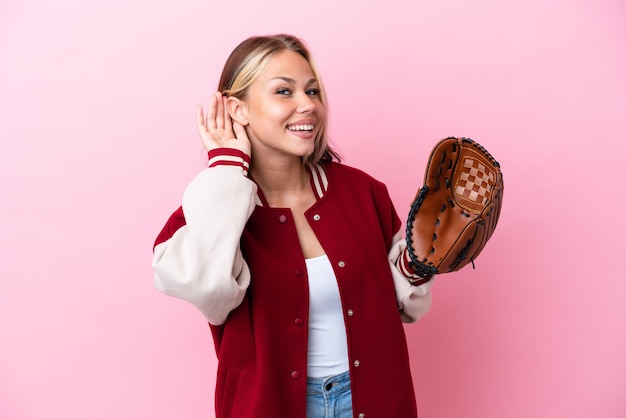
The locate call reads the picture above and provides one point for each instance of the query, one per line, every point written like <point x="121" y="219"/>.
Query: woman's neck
<point x="281" y="183"/>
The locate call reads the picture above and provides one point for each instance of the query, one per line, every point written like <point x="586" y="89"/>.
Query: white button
<point x="350" y="312"/>
<point x="356" y="363"/>
<point x="361" y="415"/>
<point x="316" y="217"/>
<point x="341" y="264"/>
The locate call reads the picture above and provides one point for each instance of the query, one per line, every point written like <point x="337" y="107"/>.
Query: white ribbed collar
<point x="319" y="184"/>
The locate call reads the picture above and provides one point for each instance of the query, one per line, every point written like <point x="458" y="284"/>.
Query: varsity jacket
<point x="240" y="263"/>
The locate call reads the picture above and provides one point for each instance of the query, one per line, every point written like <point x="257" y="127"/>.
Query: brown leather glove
<point x="456" y="211"/>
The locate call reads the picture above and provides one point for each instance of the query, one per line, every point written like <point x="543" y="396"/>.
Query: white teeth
<point x="300" y="127"/>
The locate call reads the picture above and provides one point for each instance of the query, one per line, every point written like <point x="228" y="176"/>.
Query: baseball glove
<point x="456" y="211"/>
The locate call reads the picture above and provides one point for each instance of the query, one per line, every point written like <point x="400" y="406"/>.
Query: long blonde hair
<point x="250" y="57"/>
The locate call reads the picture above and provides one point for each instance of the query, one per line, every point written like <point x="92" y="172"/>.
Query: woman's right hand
<point x="218" y="130"/>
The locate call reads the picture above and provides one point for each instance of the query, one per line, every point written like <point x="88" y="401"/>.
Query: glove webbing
<point x="422" y="270"/>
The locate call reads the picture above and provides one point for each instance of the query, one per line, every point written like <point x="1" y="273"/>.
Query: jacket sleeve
<point x="414" y="300"/>
<point x="413" y="297"/>
<point x="197" y="255"/>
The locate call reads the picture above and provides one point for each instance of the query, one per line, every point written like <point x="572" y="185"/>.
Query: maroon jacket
<point x="262" y="344"/>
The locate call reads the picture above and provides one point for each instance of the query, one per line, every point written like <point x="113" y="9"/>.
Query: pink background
<point x="98" y="141"/>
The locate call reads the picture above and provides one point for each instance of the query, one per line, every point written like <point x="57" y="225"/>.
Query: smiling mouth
<point x="301" y="128"/>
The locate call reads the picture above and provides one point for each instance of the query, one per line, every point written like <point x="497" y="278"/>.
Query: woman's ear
<point x="238" y="110"/>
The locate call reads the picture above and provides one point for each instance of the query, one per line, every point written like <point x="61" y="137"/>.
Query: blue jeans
<point x="329" y="397"/>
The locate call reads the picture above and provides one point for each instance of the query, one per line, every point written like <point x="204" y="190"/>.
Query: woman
<point x="295" y="260"/>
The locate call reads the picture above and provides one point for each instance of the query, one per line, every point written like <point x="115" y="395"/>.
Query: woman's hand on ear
<point x="218" y="130"/>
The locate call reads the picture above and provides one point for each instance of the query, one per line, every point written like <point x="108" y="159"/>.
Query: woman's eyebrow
<point x="292" y="81"/>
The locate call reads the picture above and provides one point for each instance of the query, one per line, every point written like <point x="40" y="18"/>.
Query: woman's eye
<point x="313" y="92"/>
<point x="283" y="91"/>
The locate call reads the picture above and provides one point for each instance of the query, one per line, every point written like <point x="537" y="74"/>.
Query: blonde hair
<point x="250" y="57"/>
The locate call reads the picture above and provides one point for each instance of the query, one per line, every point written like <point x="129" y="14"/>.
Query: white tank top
<point x="328" y="347"/>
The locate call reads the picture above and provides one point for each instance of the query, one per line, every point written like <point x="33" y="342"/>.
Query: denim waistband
<point x="329" y="385"/>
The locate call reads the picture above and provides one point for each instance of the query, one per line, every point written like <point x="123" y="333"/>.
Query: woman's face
<point x="283" y="108"/>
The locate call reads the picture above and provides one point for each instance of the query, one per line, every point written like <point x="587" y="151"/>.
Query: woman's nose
<point x="305" y="103"/>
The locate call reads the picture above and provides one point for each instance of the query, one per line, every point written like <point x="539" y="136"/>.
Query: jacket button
<point x="295" y="375"/>
<point x="316" y="217"/>
<point x="297" y="272"/>
<point x="282" y="219"/>
<point x="361" y="415"/>
<point x="350" y="312"/>
<point x="356" y="363"/>
<point x="299" y="322"/>
<point x="341" y="264"/>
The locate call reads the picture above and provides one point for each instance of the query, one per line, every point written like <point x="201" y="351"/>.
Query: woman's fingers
<point x="205" y="136"/>
<point x="211" y="113"/>
<point x="241" y="142"/>
<point x="200" y="122"/>
<point x="218" y="129"/>
<point x="219" y="112"/>
<point x="240" y="132"/>
<point x="228" y="123"/>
